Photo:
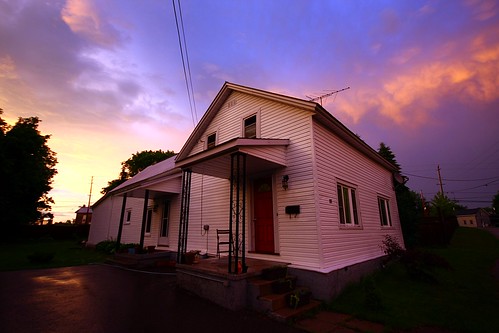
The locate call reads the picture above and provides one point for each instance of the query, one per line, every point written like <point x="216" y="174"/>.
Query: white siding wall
<point x="337" y="161"/>
<point x="296" y="237"/>
<point x="131" y="230"/>
<point x="209" y="205"/>
<point x="103" y="217"/>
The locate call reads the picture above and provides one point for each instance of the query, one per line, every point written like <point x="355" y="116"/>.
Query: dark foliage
<point x="419" y="264"/>
<point x="26" y="172"/>
<point x="408" y="202"/>
<point x="109" y="246"/>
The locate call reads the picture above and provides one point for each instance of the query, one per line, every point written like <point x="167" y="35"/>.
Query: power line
<point x="450" y="180"/>
<point x="187" y="78"/>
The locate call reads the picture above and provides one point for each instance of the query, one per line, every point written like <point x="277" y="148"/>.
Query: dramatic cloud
<point x="106" y="77"/>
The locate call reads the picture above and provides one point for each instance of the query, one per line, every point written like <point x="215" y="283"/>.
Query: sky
<point x="106" y="79"/>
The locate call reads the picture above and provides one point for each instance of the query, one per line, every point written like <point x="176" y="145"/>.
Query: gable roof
<point x="84" y="209"/>
<point x="150" y="173"/>
<point x="321" y="114"/>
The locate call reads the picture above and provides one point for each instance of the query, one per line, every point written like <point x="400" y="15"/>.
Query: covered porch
<point x="237" y="160"/>
<point x="156" y="193"/>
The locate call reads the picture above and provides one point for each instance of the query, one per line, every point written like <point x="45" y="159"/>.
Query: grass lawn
<point x="14" y="255"/>
<point x="464" y="299"/>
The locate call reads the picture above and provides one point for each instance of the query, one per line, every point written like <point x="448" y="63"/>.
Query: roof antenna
<point x="319" y="98"/>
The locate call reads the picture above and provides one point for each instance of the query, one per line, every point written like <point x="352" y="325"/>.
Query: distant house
<point x="473" y="218"/>
<point x="84" y="215"/>
<point x="290" y="182"/>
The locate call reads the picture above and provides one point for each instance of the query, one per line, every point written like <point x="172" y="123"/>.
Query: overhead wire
<point x="187" y="78"/>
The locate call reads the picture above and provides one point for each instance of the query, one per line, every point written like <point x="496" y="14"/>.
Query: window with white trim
<point x="347" y="205"/>
<point x="384" y="212"/>
<point x="250" y="127"/>
<point x="128" y="216"/>
<point x="211" y="141"/>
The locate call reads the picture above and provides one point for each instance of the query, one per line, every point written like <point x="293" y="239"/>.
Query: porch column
<point x="184" y="214"/>
<point x="120" y="227"/>
<point x="237" y="219"/>
<point x="144" y="219"/>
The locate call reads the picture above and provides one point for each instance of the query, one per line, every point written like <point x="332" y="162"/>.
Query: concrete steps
<point x="264" y="299"/>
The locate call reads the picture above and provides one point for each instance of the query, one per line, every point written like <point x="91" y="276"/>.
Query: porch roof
<point x="160" y="178"/>
<point x="262" y="155"/>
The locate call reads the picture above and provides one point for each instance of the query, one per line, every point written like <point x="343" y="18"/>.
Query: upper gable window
<point x="211" y="141"/>
<point x="250" y="127"/>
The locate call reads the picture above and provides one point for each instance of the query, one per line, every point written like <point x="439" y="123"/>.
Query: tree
<point x="442" y="206"/>
<point x="135" y="164"/>
<point x="408" y="203"/>
<point x="26" y="172"/>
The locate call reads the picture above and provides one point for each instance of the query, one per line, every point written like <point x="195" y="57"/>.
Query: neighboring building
<point x="84" y="215"/>
<point x="473" y="218"/>
<point x="293" y="183"/>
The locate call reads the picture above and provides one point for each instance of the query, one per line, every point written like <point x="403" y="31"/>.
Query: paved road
<point x="100" y="298"/>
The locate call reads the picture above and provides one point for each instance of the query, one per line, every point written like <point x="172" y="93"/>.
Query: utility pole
<point x="440" y="181"/>
<point x="89" y="197"/>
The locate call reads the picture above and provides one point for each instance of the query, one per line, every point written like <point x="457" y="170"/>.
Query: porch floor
<point x="220" y="267"/>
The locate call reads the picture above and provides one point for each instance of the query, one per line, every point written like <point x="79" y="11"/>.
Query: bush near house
<point x="462" y="298"/>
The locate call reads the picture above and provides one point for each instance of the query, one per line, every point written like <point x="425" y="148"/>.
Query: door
<point x="165" y="224"/>
<point x="263" y="215"/>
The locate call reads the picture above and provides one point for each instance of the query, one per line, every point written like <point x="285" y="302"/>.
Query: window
<point x="250" y="127"/>
<point x="165" y="219"/>
<point x="149" y="221"/>
<point x="128" y="216"/>
<point x="211" y="141"/>
<point x="384" y="212"/>
<point x="347" y="205"/>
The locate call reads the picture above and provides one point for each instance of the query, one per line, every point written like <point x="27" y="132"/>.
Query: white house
<point x="473" y="218"/>
<point x="291" y="182"/>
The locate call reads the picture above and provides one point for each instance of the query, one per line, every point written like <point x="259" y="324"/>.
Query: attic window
<point x="250" y="127"/>
<point x="211" y="140"/>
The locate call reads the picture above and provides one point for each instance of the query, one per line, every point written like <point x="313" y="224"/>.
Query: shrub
<point x="107" y="246"/>
<point x="391" y="247"/>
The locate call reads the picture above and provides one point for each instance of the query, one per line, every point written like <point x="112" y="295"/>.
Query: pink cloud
<point x="84" y="19"/>
<point x="412" y="96"/>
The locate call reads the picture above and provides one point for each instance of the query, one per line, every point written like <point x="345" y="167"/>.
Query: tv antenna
<point x="319" y="98"/>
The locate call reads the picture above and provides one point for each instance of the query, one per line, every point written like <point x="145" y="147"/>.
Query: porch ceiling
<point x="262" y="155"/>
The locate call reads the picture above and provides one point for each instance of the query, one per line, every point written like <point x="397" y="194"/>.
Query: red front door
<point x="263" y="215"/>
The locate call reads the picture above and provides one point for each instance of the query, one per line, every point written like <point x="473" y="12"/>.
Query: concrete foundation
<point x="325" y="286"/>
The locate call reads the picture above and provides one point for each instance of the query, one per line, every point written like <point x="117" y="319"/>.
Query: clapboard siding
<point x="338" y="162"/>
<point x="276" y="121"/>
<point x="131" y="230"/>
<point x="209" y="205"/>
<point x="103" y="220"/>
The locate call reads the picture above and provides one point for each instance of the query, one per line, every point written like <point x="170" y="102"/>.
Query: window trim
<point x="207" y="146"/>
<point x="257" y="125"/>
<point x="348" y="210"/>
<point x="128" y="216"/>
<point x="384" y="207"/>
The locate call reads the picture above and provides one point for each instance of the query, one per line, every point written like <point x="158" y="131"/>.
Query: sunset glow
<point x="106" y="79"/>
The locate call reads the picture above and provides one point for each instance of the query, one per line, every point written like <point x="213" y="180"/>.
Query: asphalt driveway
<point x="99" y="298"/>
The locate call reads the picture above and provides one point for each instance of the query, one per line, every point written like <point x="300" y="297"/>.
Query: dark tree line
<point x="27" y="168"/>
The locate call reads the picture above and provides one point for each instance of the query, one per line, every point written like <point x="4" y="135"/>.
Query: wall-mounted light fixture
<point x="285" y="180"/>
